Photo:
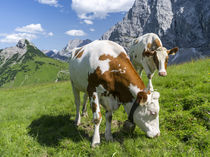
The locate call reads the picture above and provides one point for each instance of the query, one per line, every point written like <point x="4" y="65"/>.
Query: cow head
<point x="160" y="57"/>
<point x="146" y="115"/>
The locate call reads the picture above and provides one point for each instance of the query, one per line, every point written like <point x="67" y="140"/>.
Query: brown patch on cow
<point x="147" y="53"/>
<point x="77" y="51"/>
<point x="166" y="62"/>
<point x="116" y="83"/>
<point x="80" y="54"/>
<point x="157" y="43"/>
<point x="99" y="113"/>
<point x="105" y="57"/>
<point x="156" y="60"/>
<point x="141" y="97"/>
<point x="149" y="45"/>
<point x="94" y="107"/>
<point x="96" y="121"/>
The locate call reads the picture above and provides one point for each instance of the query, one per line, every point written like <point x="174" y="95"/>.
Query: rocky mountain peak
<point x="76" y="43"/>
<point x="23" y="49"/>
<point x="22" y="43"/>
<point x="66" y="51"/>
<point x="182" y="23"/>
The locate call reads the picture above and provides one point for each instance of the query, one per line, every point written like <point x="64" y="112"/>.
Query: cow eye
<point x="153" y="113"/>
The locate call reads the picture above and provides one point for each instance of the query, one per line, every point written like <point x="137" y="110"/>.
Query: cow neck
<point x="133" y="109"/>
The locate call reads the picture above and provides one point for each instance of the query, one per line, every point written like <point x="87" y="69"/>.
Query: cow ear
<point x="148" y="53"/>
<point x="141" y="98"/>
<point x="173" y="51"/>
<point x="156" y="95"/>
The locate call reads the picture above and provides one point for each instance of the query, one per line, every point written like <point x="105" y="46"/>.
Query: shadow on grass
<point x="49" y="130"/>
<point x="120" y="136"/>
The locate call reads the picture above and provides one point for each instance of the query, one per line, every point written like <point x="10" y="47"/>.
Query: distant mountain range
<point x="182" y="23"/>
<point x="65" y="53"/>
<point x="26" y="64"/>
<point x="185" y="24"/>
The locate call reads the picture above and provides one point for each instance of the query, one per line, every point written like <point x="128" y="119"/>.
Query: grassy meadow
<point x="38" y="70"/>
<point x="31" y="68"/>
<point x="37" y="120"/>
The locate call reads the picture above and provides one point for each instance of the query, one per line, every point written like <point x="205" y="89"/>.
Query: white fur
<point x="81" y="68"/>
<point x="147" y="63"/>
<point x="134" y="89"/>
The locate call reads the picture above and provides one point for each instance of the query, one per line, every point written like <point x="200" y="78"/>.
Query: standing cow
<point x="103" y="70"/>
<point x="148" y="53"/>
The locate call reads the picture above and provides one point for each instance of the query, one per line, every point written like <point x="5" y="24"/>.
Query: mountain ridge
<point x="185" y="24"/>
<point x="25" y="64"/>
<point x="64" y="54"/>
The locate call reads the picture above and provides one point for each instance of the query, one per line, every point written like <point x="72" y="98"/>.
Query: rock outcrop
<point x="182" y="23"/>
<point x="19" y="50"/>
<point x="65" y="53"/>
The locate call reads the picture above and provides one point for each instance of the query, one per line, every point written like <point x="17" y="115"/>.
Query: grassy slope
<point x="38" y="70"/>
<point x="38" y="120"/>
<point x="33" y="67"/>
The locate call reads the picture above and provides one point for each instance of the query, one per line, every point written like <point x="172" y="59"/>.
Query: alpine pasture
<point x="38" y="119"/>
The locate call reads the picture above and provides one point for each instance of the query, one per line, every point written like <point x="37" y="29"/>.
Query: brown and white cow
<point x="103" y="70"/>
<point x="148" y="53"/>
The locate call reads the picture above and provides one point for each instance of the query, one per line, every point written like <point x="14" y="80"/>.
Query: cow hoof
<point x="128" y="127"/>
<point x="109" y="138"/>
<point x="94" y="145"/>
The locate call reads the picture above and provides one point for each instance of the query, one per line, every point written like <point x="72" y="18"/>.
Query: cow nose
<point x="158" y="134"/>
<point x="162" y="73"/>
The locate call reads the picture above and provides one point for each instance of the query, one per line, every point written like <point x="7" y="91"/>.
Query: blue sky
<point x="50" y="24"/>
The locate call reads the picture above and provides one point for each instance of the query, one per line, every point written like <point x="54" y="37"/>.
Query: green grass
<point x="38" y="70"/>
<point x="37" y="120"/>
<point x="31" y="68"/>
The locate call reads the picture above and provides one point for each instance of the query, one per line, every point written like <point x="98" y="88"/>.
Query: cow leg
<point x="149" y="76"/>
<point x="108" y="134"/>
<point x="150" y="86"/>
<point x="77" y="102"/>
<point x="84" y="108"/>
<point x="96" y="119"/>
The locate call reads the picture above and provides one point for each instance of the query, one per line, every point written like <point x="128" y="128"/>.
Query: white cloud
<point x="76" y="33"/>
<point x="30" y="32"/>
<point x="92" y="29"/>
<point x="49" y="2"/>
<point x="90" y="9"/>
<point x="32" y="28"/>
<point x="14" y="38"/>
<point x="89" y="22"/>
<point x="50" y="34"/>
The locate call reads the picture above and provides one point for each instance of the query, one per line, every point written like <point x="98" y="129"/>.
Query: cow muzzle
<point x="158" y="134"/>
<point x="162" y="73"/>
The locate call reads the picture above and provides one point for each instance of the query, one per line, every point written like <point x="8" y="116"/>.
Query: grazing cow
<point x="103" y="70"/>
<point x="147" y="52"/>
